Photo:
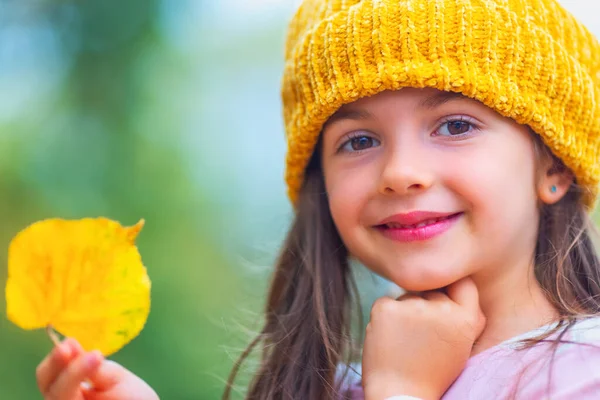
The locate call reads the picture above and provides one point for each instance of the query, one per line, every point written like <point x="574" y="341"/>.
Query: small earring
<point x="553" y="189"/>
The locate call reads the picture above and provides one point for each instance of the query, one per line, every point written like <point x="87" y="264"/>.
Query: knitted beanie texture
<point x="529" y="60"/>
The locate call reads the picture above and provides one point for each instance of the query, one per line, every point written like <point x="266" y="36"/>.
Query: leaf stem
<point x="52" y="335"/>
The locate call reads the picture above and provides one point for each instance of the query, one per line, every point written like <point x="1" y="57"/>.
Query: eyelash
<point x="357" y="134"/>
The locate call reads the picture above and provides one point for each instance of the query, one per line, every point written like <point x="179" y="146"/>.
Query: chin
<point x="422" y="286"/>
<point x="415" y="279"/>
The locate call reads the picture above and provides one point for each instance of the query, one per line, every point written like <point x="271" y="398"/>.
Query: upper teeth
<point x="419" y="225"/>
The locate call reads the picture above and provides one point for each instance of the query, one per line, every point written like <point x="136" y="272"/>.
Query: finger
<point x="409" y="296"/>
<point x="69" y="382"/>
<point x="52" y="365"/>
<point x="76" y="348"/>
<point x="435" y="296"/>
<point x="108" y="375"/>
<point x="465" y="294"/>
<point x="382" y="306"/>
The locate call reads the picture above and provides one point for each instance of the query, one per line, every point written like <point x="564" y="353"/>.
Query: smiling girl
<point x="453" y="148"/>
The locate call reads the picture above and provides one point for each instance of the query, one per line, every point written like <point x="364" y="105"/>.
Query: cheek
<point x="348" y="192"/>
<point x="499" y="187"/>
<point x="480" y="183"/>
<point x="496" y="177"/>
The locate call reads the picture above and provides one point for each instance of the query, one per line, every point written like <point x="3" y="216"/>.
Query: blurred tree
<point x="105" y="143"/>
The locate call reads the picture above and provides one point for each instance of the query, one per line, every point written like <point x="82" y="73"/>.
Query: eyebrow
<point x="356" y="115"/>
<point x="430" y="103"/>
<point x="439" y="99"/>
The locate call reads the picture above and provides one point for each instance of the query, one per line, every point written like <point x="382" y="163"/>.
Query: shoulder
<point x="557" y="369"/>
<point x="573" y="368"/>
<point x="586" y="331"/>
<point x="580" y="342"/>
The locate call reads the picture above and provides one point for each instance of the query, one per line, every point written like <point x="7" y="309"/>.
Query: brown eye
<point x="455" y="128"/>
<point x="359" y="143"/>
<point x="458" y="127"/>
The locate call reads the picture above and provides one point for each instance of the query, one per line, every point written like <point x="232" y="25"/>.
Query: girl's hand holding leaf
<point x="70" y="373"/>
<point x="84" y="279"/>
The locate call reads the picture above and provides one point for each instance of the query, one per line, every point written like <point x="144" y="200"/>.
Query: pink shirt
<point x="507" y="372"/>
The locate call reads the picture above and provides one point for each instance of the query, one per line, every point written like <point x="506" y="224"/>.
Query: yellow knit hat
<point x="530" y="60"/>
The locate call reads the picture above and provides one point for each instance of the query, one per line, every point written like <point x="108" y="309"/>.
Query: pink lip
<point x="413" y="218"/>
<point x="412" y="234"/>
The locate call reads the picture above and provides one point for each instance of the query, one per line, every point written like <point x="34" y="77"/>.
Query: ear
<point x="554" y="182"/>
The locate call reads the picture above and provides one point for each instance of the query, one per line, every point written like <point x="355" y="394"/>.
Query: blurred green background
<point x="166" y="110"/>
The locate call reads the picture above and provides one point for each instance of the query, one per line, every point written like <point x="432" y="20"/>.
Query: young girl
<point x="452" y="147"/>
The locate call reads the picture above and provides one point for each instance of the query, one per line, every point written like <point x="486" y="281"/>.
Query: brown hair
<point x="307" y="331"/>
<point x="566" y="261"/>
<point x="306" y="334"/>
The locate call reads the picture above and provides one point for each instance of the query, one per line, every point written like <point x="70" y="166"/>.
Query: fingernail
<point x="93" y="359"/>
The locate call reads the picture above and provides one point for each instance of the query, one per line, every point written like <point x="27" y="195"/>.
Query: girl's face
<point x="427" y="187"/>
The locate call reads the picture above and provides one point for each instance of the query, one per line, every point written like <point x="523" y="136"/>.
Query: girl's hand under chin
<point x="65" y="373"/>
<point x="418" y="345"/>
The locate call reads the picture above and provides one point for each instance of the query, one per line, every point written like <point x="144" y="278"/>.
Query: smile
<point x="424" y="229"/>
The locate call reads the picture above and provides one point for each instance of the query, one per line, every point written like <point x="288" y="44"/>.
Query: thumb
<point x="464" y="293"/>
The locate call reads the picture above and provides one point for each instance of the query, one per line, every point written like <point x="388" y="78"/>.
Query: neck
<point x="513" y="303"/>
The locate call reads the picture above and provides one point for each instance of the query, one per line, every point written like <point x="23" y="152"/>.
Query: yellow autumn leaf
<point x="84" y="278"/>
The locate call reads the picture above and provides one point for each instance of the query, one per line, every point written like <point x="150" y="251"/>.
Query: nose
<point x="406" y="170"/>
